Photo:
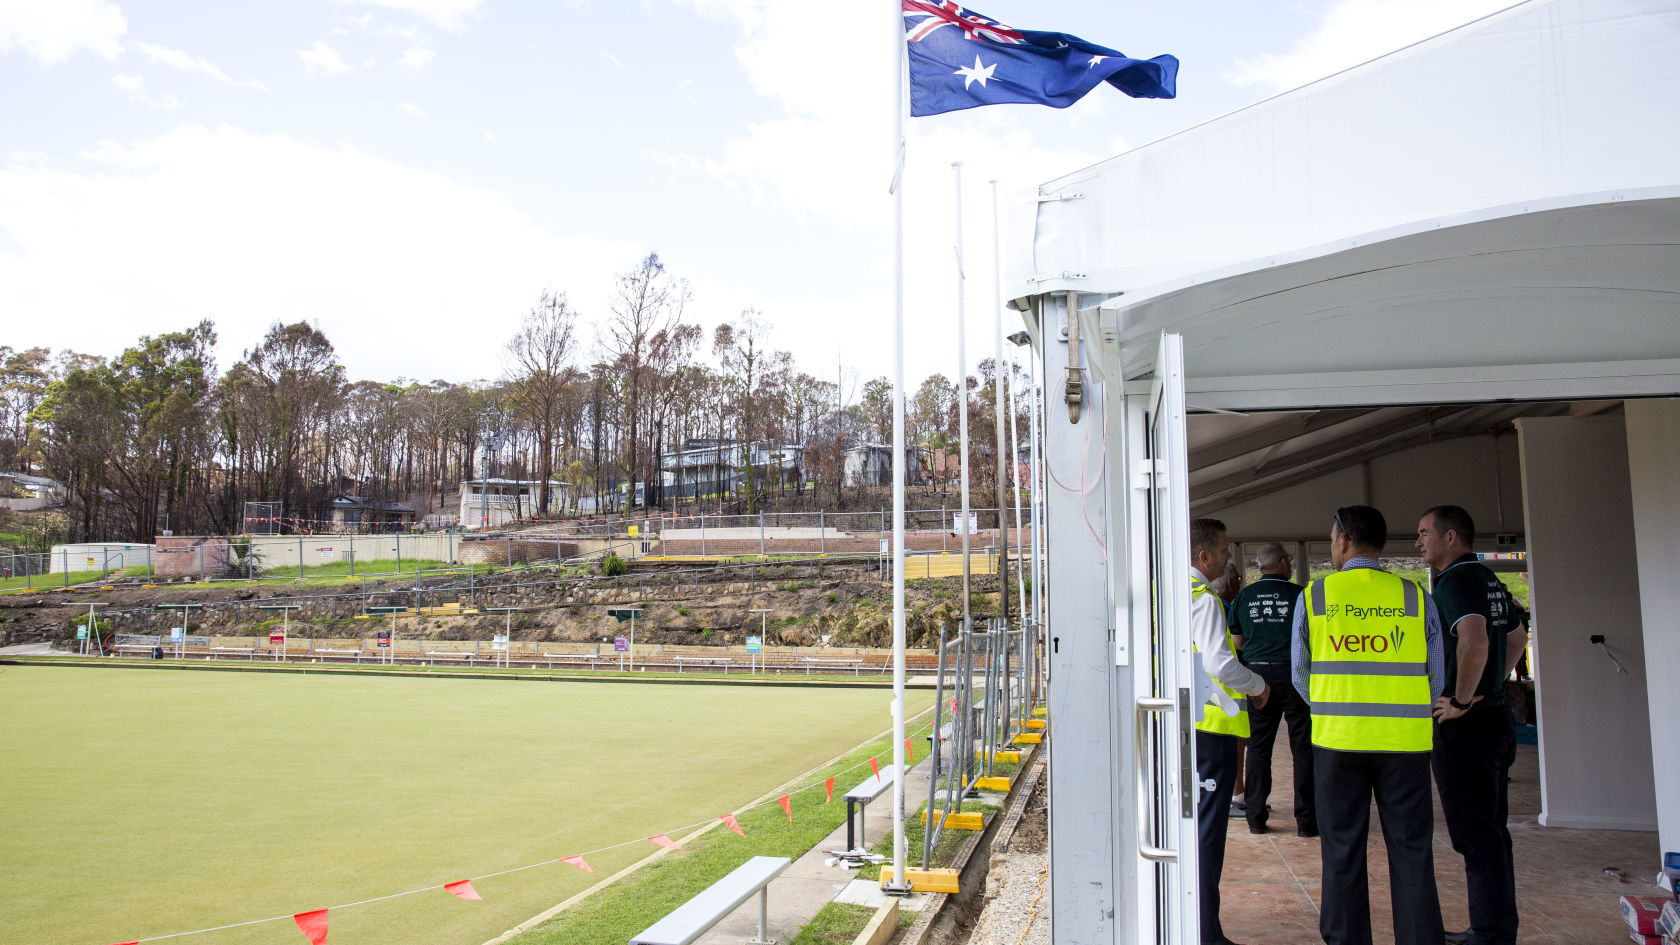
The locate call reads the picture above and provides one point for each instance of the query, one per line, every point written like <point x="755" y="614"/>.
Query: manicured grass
<point x="838" y="923"/>
<point x="142" y="803"/>
<point x="367" y="566"/>
<point x="652" y="892"/>
<point x="75" y="577"/>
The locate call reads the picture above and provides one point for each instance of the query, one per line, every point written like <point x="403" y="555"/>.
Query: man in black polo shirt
<point x="1475" y="738"/>
<point x="1263" y="614"/>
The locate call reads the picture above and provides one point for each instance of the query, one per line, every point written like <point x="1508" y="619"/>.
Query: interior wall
<point x="1481" y="473"/>
<point x="1653" y="437"/>
<point x="1595" y="734"/>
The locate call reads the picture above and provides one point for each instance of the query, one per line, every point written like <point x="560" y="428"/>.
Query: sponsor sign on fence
<point x="382" y="638"/>
<point x="621" y="644"/>
<point x="755" y="644"/>
<point x="276" y="638"/>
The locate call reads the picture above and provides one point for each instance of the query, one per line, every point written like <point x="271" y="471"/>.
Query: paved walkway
<point x="812" y="882"/>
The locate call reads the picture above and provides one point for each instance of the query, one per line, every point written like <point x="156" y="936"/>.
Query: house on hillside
<point x="354" y="514"/>
<point x="486" y="502"/>
<point x="709" y="466"/>
<point x="871" y="465"/>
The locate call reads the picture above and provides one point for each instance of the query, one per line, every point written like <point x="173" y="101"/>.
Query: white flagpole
<point x="900" y="884"/>
<point x="1014" y="436"/>
<point x="962" y="398"/>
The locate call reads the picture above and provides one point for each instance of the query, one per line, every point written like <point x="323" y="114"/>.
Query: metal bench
<point x="704" y="659"/>
<point x="854" y="664"/>
<point x="432" y="656"/>
<point x="857" y="799"/>
<point x="250" y="652"/>
<point x="695" y="917"/>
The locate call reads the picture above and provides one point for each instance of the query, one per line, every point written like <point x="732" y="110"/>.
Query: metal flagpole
<point x="900" y="884"/>
<point x="1006" y="376"/>
<point x="997" y="436"/>
<point x="1035" y="498"/>
<point x="962" y="398"/>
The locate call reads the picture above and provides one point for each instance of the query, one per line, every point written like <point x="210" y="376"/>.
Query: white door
<point x="1163" y="664"/>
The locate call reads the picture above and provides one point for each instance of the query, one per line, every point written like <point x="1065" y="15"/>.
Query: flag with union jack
<point x="961" y="59"/>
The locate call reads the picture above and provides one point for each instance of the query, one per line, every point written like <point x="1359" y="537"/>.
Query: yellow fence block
<point x="1033" y="723"/>
<point x="1028" y="738"/>
<point x="944" y="881"/>
<point x="1013" y="757"/>
<point x="961" y="820"/>
<point x="992" y="784"/>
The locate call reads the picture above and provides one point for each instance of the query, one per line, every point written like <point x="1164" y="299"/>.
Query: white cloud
<point x="412" y="110"/>
<point x="135" y="88"/>
<point x="187" y="62"/>
<point x="320" y="59"/>
<point x="493" y="141"/>
<point x="1356" y="31"/>
<point x="418" y="57"/>
<point x="449" y="14"/>
<point x="612" y="58"/>
<point x="54" y="30"/>
<point x="408" y="272"/>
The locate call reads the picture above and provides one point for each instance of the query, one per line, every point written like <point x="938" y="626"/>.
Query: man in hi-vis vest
<point x="1219" y="733"/>
<point x="1367" y="658"/>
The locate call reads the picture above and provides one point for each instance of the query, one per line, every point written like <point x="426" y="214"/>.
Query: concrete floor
<point x="1270" y="894"/>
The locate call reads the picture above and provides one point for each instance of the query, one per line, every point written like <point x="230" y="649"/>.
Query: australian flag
<point x="961" y="59"/>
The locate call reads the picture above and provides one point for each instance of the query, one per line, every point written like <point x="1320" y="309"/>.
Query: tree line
<point x="158" y="437"/>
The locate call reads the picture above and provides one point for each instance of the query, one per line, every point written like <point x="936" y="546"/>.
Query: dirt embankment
<point x="810" y="605"/>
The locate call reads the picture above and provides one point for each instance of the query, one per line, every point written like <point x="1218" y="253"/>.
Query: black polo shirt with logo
<point x="1467" y="588"/>
<point x="1263" y="613"/>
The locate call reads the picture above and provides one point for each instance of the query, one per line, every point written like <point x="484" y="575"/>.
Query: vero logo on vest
<point x="1367" y="642"/>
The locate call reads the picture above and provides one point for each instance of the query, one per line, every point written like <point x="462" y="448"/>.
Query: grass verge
<point x="838" y="923"/>
<point x="614" y="915"/>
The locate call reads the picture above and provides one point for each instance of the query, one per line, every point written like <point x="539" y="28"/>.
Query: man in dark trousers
<point x="1475" y="735"/>
<point x="1367" y="659"/>
<point x="1263" y="615"/>
<point x="1222" y="727"/>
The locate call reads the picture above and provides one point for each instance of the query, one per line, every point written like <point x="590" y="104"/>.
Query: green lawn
<point x="139" y="803"/>
<point x="76" y="577"/>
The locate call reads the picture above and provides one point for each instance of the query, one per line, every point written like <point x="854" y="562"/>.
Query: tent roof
<point x="1494" y="212"/>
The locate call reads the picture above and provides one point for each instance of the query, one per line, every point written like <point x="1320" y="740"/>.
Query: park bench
<point x="433" y="655"/>
<point x="573" y="659"/>
<point x="329" y="654"/>
<point x="695" y="917"/>
<point x="857" y="800"/>
<point x="249" y="651"/>
<point x="704" y="659"/>
<point x="145" y="648"/>
<point x="855" y="665"/>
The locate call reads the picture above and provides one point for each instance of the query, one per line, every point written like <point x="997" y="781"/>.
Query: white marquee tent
<point x="1353" y="292"/>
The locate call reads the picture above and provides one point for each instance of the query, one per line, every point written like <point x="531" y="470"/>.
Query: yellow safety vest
<point x="1214" y="719"/>
<point x="1370" y="663"/>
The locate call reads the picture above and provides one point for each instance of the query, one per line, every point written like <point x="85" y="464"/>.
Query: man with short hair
<point x="1219" y="732"/>
<point x="1263" y="614"/>
<point x="1367" y="659"/>
<point x="1475" y="735"/>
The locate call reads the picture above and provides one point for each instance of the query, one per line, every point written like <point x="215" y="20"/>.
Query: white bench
<point x="432" y="656"/>
<point x="247" y="650"/>
<point x="858" y="799"/>
<point x="695" y="917"/>
<point x="704" y="659"/>
<point x="854" y="664"/>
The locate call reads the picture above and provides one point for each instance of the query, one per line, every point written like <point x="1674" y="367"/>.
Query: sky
<point x="411" y="175"/>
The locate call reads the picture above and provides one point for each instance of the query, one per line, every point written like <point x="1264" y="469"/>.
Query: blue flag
<point x="961" y="59"/>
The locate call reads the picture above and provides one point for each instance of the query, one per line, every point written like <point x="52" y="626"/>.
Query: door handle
<point x="1145" y="707"/>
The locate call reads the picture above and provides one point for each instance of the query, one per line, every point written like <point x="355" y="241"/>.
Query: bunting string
<point x="320" y="916"/>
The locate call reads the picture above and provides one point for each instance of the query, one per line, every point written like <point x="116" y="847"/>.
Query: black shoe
<point x="1257" y="828"/>
<point x="1458" y="938"/>
<point x="1306" y="831"/>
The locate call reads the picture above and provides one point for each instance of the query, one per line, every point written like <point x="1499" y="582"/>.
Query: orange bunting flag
<point x="829" y="787"/>
<point x="875" y="766"/>
<point x="909" y="751"/>
<point x="733" y="824"/>
<point x="664" y="841"/>
<point x="578" y="862"/>
<point x="787" y="806"/>
<point x="313" y="925"/>
<point x="463" y="890"/>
